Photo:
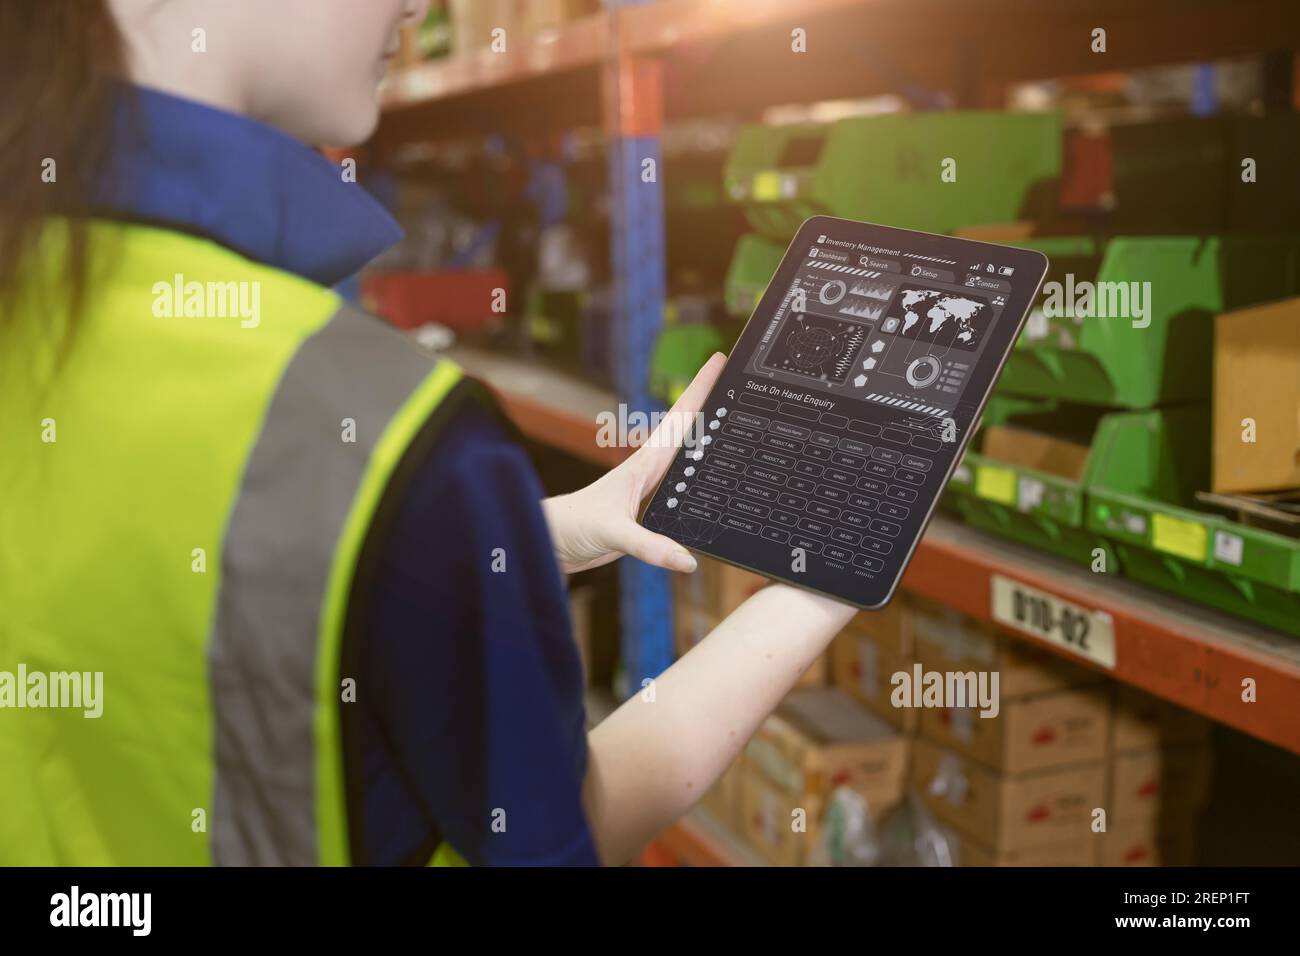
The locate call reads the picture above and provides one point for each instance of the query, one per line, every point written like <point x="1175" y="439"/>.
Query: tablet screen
<point x="843" y="408"/>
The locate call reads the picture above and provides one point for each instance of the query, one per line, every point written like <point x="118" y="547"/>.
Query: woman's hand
<point x="594" y="526"/>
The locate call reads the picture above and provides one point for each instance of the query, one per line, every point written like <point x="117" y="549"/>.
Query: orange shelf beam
<point x="1192" y="656"/>
<point x="1184" y="653"/>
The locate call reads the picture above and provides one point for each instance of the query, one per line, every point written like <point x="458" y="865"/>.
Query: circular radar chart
<point x="812" y="346"/>
<point x="816" y="347"/>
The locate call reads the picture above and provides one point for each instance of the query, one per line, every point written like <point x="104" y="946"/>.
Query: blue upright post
<point x="633" y="123"/>
<point x="1205" y="100"/>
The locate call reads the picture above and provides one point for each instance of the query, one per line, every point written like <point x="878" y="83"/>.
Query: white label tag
<point x="1089" y="634"/>
<point x="1030" y="493"/>
<point x="1228" y="548"/>
<point x="1036" y="326"/>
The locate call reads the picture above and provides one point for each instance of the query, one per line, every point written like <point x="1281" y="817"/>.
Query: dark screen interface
<point x="835" y="423"/>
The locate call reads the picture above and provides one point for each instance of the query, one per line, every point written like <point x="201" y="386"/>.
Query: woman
<point x="305" y="572"/>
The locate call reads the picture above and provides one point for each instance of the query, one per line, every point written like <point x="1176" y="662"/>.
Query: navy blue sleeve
<point x="472" y="692"/>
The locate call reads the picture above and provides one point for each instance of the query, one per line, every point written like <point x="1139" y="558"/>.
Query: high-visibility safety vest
<point x="187" y="502"/>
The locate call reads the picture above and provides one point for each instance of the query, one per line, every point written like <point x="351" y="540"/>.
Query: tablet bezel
<point x="983" y="377"/>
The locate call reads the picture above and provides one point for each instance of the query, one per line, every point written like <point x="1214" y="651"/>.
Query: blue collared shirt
<point x="472" y="712"/>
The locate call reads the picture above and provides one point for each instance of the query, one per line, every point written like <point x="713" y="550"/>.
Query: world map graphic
<point x="944" y="318"/>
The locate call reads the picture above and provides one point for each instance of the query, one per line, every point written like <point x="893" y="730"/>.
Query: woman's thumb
<point x="656" y="549"/>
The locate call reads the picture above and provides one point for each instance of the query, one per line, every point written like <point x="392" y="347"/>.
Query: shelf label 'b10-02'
<point x="1086" y="633"/>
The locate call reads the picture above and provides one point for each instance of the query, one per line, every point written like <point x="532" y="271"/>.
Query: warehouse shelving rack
<point x="630" y="65"/>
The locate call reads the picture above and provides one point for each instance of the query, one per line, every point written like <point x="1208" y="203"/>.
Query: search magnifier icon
<point x="731" y="393"/>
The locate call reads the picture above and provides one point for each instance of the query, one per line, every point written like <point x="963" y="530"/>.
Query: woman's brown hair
<point x="60" y="61"/>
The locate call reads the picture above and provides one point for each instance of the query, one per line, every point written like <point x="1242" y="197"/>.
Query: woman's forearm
<point x="655" y="756"/>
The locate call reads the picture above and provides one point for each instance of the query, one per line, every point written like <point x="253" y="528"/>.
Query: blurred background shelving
<point x="628" y="174"/>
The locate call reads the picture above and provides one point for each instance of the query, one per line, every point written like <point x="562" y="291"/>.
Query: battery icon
<point x="1006" y="270"/>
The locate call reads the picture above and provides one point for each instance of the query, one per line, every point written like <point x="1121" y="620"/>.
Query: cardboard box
<point x="1167" y="785"/>
<point x="784" y="828"/>
<point x="1005" y="813"/>
<point x="820" y="739"/>
<point x="1079" y="852"/>
<point x="1031" y="449"/>
<point x="1257" y="377"/>
<point x="734" y="586"/>
<point x="1032" y="733"/>
<point x="1145" y="844"/>
<point x="947" y="640"/>
<point x="891" y="626"/>
<point x="863" y="665"/>
<point x="1142" y="722"/>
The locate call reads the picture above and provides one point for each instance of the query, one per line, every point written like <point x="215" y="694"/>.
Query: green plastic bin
<point x="1033" y="507"/>
<point x="887" y="169"/>
<point x="1148" y="466"/>
<point x="1167" y="356"/>
<point x="752" y="266"/>
<point x="679" y="352"/>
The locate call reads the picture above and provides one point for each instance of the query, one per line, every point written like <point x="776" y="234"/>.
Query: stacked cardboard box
<point x="1257" y="384"/>
<point x="817" y="741"/>
<point x="869" y="652"/>
<point x="1020" y="786"/>
<point x="949" y="640"/>
<point x="1039" y="818"/>
<point x="1158" y="782"/>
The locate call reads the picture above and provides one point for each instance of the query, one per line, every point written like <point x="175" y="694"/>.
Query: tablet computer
<point x="846" y="404"/>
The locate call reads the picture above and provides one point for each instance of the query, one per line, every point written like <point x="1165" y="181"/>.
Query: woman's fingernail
<point x="683" y="561"/>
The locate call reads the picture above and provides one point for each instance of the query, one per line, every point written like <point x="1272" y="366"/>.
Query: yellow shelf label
<point x="1187" y="539"/>
<point x="767" y="186"/>
<point x="996" y="484"/>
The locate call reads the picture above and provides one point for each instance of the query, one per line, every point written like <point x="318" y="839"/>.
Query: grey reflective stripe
<point x="295" y="496"/>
